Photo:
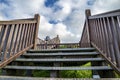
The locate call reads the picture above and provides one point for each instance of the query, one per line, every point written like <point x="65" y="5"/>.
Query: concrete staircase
<point x="55" y="60"/>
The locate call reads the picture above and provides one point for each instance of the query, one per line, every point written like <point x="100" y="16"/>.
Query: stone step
<point x="59" y="60"/>
<point x="61" y="54"/>
<point x="62" y="50"/>
<point x="58" y="68"/>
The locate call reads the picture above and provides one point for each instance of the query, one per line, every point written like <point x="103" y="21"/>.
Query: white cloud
<point x="47" y="29"/>
<point x="45" y="25"/>
<point x="101" y="6"/>
<point x="1" y="16"/>
<point x="66" y="6"/>
<point x="25" y="9"/>
<point x="70" y="16"/>
<point x="61" y="29"/>
<point x="65" y="35"/>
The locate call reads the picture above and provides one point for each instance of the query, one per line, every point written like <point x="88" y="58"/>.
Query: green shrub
<point x="117" y="76"/>
<point x="41" y="73"/>
<point x="77" y="74"/>
<point x="67" y="73"/>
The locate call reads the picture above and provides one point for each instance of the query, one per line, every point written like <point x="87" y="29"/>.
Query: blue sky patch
<point x="50" y="3"/>
<point x="56" y="8"/>
<point x="4" y="1"/>
<point x="90" y="2"/>
<point x="53" y="22"/>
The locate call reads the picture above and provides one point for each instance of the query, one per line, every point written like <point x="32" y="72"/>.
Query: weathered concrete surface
<point x="31" y="78"/>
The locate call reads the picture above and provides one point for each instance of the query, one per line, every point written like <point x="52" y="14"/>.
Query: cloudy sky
<point x="58" y="17"/>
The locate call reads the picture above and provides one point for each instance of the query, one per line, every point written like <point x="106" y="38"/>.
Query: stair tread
<point x="42" y="78"/>
<point x="55" y="54"/>
<point x="59" y="68"/>
<point x="62" y="50"/>
<point x="59" y="59"/>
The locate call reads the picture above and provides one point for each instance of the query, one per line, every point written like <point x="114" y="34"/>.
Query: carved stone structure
<point x="46" y="44"/>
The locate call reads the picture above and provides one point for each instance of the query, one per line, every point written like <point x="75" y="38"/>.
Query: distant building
<point x="48" y="43"/>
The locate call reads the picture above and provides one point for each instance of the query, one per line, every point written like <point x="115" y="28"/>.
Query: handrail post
<point x="37" y="18"/>
<point x="87" y="14"/>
